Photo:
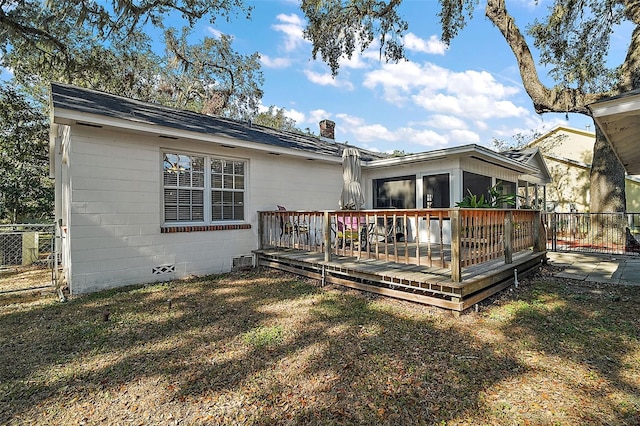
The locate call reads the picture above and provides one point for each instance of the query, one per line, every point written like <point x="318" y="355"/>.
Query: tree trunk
<point x="607" y="178"/>
<point x="607" y="195"/>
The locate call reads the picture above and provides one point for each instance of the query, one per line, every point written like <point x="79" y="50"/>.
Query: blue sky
<point x="469" y="92"/>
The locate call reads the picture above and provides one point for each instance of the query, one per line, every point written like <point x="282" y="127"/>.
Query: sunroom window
<point x="202" y="189"/>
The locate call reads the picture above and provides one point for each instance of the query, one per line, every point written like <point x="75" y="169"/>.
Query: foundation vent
<point x="242" y="262"/>
<point x="163" y="269"/>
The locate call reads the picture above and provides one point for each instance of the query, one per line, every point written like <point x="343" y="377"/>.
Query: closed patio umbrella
<point x="352" y="197"/>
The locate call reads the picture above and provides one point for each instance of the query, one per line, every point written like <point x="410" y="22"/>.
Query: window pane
<point x="216" y="181"/>
<point x="216" y="213"/>
<point x="170" y="213"/>
<point x="239" y="182"/>
<point x="436" y="191"/>
<point x="228" y="167"/>
<point x="197" y="197"/>
<point x="184" y="213"/>
<point x="170" y="196"/>
<point x="238" y="168"/>
<point x="198" y="180"/>
<point x="399" y="192"/>
<point x="228" y="182"/>
<point x="170" y="178"/>
<point x="197" y="164"/>
<point x="477" y="184"/>
<point x="197" y="213"/>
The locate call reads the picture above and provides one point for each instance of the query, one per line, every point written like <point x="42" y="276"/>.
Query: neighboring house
<point x="148" y="193"/>
<point x="568" y="153"/>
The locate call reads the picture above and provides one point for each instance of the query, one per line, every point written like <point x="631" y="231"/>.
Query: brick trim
<point x="200" y="228"/>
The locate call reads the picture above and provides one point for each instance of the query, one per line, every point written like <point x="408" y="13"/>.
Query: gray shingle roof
<point x="74" y="98"/>
<point x="522" y="155"/>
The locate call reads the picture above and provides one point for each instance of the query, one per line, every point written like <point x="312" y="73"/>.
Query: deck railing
<point x="439" y="238"/>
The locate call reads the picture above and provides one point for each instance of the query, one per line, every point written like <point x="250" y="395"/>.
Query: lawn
<point x="262" y="347"/>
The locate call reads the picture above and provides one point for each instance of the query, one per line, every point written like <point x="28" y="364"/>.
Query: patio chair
<point x="292" y="227"/>
<point x="351" y="231"/>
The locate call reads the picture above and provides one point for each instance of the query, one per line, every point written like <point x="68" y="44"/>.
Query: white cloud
<point x="441" y="121"/>
<point x="426" y="138"/>
<point x="269" y="62"/>
<point x="466" y="94"/>
<point x="478" y="83"/>
<point x="364" y="133"/>
<point x="417" y="44"/>
<point x="297" y="116"/>
<point x="481" y="125"/>
<point x="317" y="115"/>
<point x="326" y="79"/>
<point x="214" y="32"/>
<point x="477" y="107"/>
<point x="291" y="26"/>
<point x="463" y="137"/>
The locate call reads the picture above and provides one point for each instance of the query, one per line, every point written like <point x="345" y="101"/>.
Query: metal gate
<point x="607" y="233"/>
<point x="28" y="258"/>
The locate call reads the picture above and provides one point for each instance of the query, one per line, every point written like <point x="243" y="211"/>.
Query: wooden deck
<point x="422" y="284"/>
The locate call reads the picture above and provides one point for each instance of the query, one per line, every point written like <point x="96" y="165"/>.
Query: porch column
<point x="456" y="229"/>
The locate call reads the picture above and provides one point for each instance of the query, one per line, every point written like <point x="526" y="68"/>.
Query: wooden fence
<point x="438" y="238"/>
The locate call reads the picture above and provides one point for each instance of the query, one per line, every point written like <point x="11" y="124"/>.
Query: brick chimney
<point x="327" y="129"/>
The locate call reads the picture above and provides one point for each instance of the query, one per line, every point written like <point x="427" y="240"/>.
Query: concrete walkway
<point x="613" y="269"/>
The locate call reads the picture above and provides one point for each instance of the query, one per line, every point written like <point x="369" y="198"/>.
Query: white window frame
<point x="207" y="189"/>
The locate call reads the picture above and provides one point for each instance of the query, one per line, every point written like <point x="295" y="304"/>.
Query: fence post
<point x="508" y="237"/>
<point x="327" y="237"/>
<point x="456" y="265"/>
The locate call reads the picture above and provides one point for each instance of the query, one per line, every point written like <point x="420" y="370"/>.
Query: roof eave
<point x="71" y="117"/>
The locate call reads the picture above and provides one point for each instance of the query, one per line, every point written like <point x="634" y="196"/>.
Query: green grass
<point x="268" y="348"/>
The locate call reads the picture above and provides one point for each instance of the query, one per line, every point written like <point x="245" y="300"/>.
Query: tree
<point x="26" y="192"/>
<point x="104" y="46"/>
<point x="211" y="78"/>
<point x="275" y="119"/>
<point x="573" y="41"/>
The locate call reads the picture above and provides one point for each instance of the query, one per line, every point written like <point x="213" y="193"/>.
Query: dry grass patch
<point x="264" y="348"/>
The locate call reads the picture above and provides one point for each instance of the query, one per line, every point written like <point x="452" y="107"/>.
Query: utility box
<point x="19" y="248"/>
<point x="30" y="245"/>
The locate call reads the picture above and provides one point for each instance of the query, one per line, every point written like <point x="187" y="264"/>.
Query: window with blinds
<point x="202" y="189"/>
<point x="227" y="190"/>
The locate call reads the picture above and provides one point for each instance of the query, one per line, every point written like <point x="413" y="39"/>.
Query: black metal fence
<point x="28" y="258"/>
<point x="607" y="233"/>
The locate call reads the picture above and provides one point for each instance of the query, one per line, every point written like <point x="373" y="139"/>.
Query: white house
<point x="148" y="193"/>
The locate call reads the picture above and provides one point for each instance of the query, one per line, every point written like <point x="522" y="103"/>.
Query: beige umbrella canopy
<point x="352" y="197"/>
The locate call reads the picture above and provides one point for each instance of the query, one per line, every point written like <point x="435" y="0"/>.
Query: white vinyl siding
<point x="196" y="184"/>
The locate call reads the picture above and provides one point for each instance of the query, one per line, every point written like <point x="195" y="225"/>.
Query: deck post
<point x="508" y="237"/>
<point x="456" y="228"/>
<point x="327" y="237"/>
<point x="260" y="230"/>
